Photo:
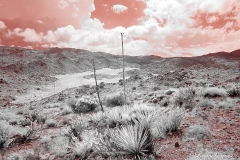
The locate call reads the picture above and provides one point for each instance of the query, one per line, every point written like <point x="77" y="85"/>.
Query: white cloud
<point x="39" y="21"/>
<point x="62" y="4"/>
<point x="29" y="35"/>
<point x="212" y="19"/>
<point x="119" y="8"/>
<point x="2" y="25"/>
<point x="178" y="36"/>
<point x="211" y="5"/>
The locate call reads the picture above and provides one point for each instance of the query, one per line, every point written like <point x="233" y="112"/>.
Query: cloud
<point x="54" y="13"/>
<point x="161" y="27"/>
<point x="29" y="35"/>
<point x="217" y="5"/>
<point x="2" y="25"/>
<point x="119" y="8"/>
<point x="62" y="4"/>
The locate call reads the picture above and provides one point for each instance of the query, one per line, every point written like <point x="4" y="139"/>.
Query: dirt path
<point x="69" y="81"/>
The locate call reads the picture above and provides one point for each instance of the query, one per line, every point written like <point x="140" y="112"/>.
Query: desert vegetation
<point x="172" y="114"/>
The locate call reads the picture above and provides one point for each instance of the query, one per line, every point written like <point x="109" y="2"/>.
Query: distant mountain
<point x="67" y="60"/>
<point x="63" y="60"/>
<point x="228" y="55"/>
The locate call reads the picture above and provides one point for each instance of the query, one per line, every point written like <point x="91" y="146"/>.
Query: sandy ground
<point x="69" y="81"/>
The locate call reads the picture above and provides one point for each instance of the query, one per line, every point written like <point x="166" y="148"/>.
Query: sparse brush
<point x="15" y="156"/>
<point x="234" y="92"/>
<point x="37" y="115"/>
<point x="186" y="96"/>
<point x="196" y="132"/>
<point x="77" y="129"/>
<point x="213" y="92"/>
<point x="226" y="104"/>
<point x="66" y="110"/>
<point x="50" y="123"/>
<point x="205" y="103"/>
<point x="7" y="131"/>
<point x="4" y="136"/>
<point x="210" y="155"/>
<point x="83" y="105"/>
<point x="169" y="122"/>
<point x="81" y="150"/>
<point x="116" y="99"/>
<point x="117" y="116"/>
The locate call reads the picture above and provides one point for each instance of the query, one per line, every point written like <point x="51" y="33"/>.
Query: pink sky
<point x="166" y="28"/>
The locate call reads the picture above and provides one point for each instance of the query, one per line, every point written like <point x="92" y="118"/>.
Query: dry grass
<point x="210" y="155"/>
<point x="196" y="132"/>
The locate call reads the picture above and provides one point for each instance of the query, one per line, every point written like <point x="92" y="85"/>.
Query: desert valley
<point x="175" y="108"/>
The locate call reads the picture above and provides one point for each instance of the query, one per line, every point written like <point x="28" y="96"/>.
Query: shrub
<point x="83" y="105"/>
<point x="116" y="100"/>
<point x="36" y="115"/>
<point x="15" y="156"/>
<point x="7" y="131"/>
<point x="226" y="104"/>
<point x="50" y="123"/>
<point x="234" y="92"/>
<point x="66" y="110"/>
<point x="210" y="155"/>
<point x="169" y="122"/>
<point x="77" y="129"/>
<point x="213" y="92"/>
<point x="134" y="140"/>
<point x="205" y="103"/>
<point x="81" y="151"/>
<point x="186" y="97"/>
<point x="197" y="132"/>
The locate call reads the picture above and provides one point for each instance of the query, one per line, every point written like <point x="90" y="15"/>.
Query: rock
<point x="169" y="92"/>
<point x="101" y="85"/>
<point x="150" y="94"/>
<point x="120" y="82"/>
<point x="177" y="144"/>
<point x="155" y="100"/>
<point x="156" y="88"/>
<point x="165" y="104"/>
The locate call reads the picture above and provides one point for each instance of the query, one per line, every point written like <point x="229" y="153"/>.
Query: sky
<point x="167" y="28"/>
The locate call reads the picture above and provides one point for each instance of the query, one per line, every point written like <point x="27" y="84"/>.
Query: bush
<point x="169" y="122"/>
<point x="186" y="97"/>
<point x="117" y="116"/>
<point x="50" y="123"/>
<point x="196" y="132"/>
<point x="213" y="92"/>
<point x="66" y="110"/>
<point x="116" y="100"/>
<point x="205" y="103"/>
<point x="83" y="105"/>
<point x="77" y="129"/>
<point x="7" y="131"/>
<point x="36" y="115"/>
<point x="226" y="104"/>
<point x="234" y="92"/>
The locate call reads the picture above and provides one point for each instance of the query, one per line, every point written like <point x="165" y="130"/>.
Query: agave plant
<point x="134" y="140"/>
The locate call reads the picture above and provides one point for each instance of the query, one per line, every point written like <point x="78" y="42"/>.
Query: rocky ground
<point x="43" y="129"/>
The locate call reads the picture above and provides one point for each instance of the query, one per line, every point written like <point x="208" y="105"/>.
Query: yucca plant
<point x="144" y="118"/>
<point x="134" y="140"/>
<point x="127" y="141"/>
